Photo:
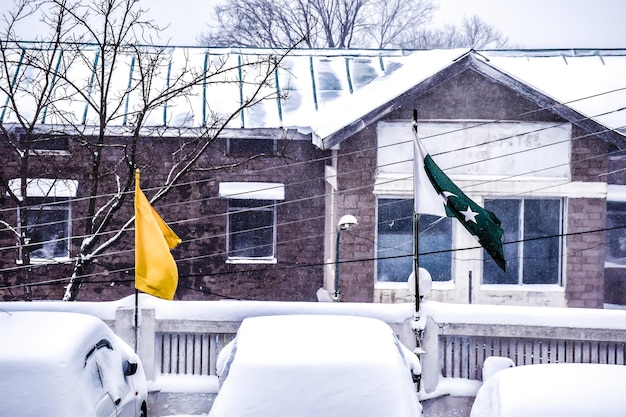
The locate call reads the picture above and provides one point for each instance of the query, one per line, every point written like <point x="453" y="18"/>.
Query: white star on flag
<point x="470" y="215"/>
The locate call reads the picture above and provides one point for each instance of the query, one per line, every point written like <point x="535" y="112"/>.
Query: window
<point x="48" y="227"/>
<point x="615" y="236"/>
<point x="48" y="222"/>
<point x="240" y="146"/>
<point x="45" y="144"/>
<point x="251" y="228"/>
<point x="535" y="227"/>
<point x="395" y="242"/>
<point x="251" y="220"/>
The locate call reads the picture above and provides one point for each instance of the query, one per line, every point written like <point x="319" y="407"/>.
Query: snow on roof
<point x="591" y="82"/>
<point x="326" y="90"/>
<point x="414" y="69"/>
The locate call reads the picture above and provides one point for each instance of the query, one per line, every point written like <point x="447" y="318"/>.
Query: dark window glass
<point x="533" y="226"/>
<point x="395" y="242"/>
<point x="434" y="246"/>
<point x="251" y="225"/>
<point x="616" y="233"/>
<point x="45" y="142"/>
<point x="542" y="243"/>
<point x="251" y="146"/>
<point x="48" y="228"/>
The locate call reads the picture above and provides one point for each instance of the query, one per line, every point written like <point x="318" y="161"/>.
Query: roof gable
<point x="327" y="135"/>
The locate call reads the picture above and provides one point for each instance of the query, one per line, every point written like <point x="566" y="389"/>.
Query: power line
<point x="112" y="232"/>
<point x="220" y="235"/>
<point x="311" y="265"/>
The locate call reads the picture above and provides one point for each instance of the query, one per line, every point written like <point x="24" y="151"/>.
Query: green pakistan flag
<point x="481" y="223"/>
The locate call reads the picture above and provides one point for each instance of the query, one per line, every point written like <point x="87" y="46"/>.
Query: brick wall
<point x="197" y="215"/>
<point x="471" y="96"/>
<point x="584" y="285"/>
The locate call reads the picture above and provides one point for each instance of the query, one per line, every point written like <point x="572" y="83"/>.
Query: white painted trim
<point x="252" y="190"/>
<point x="45" y="187"/>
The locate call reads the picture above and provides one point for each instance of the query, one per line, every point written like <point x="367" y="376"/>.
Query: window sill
<point x="523" y="287"/>
<point x="45" y="261"/>
<point x="270" y="260"/>
<point x="48" y="152"/>
<point x="391" y="285"/>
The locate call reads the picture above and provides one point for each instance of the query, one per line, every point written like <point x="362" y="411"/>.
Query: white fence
<point x="457" y="338"/>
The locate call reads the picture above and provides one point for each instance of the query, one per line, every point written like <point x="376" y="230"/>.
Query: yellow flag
<point x="155" y="269"/>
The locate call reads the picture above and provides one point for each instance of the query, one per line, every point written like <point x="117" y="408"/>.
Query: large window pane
<point x="542" y="227"/>
<point x="616" y="234"/>
<point x="532" y="232"/>
<point x="434" y="244"/>
<point x="508" y="211"/>
<point x="48" y="228"/>
<point x="395" y="245"/>
<point x="395" y="240"/>
<point x="251" y="228"/>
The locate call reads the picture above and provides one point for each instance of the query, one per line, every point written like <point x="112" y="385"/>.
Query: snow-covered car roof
<point x="48" y="362"/>
<point x="47" y="338"/>
<point x="317" y="365"/>
<point x="548" y="390"/>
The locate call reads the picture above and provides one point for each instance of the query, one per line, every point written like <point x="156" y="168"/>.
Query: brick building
<point x="339" y="142"/>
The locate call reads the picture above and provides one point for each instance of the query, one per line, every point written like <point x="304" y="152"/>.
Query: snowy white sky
<point x="532" y="24"/>
<point x="527" y="23"/>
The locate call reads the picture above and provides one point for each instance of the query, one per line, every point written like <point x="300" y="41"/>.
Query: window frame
<point x="238" y="207"/>
<point x="45" y="194"/>
<point x="451" y="235"/>
<point x="615" y="238"/>
<point x="45" y="144"/>
<point x="266" y="195"/>
<point x="521" y="241"/>
<point x="47" y="204"/>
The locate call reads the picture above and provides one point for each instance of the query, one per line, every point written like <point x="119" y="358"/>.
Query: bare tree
<point x="42" y="84"/>
<point x="343" y="24"/>
<point x="323" y="23"/>
<point x="473" y="33"/>
<point x="389" y="20"/>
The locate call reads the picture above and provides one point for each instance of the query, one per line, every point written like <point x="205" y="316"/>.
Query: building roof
<point x="326" y="91"/>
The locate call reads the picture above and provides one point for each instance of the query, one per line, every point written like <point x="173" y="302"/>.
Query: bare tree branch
<point x="41" y="82"/>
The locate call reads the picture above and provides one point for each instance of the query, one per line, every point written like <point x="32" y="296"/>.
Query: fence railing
<point x="457" y="339"/>
<point x="185" y="338"/>
<point x="188" y="353"/>
<point x="463" y="356"/>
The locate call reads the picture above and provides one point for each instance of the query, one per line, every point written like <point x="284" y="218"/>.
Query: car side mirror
<point x="130" y="368"/>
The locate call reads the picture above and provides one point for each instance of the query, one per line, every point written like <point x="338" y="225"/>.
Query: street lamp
<point x="346" y="222"/>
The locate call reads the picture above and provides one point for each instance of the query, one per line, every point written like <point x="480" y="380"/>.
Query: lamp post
<point x="346" y="222"/>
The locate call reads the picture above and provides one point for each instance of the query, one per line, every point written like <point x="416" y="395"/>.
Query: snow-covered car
<point x="549" y="390"/>
<point x="58" y="364"/>
<point x="316" y="365"/>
